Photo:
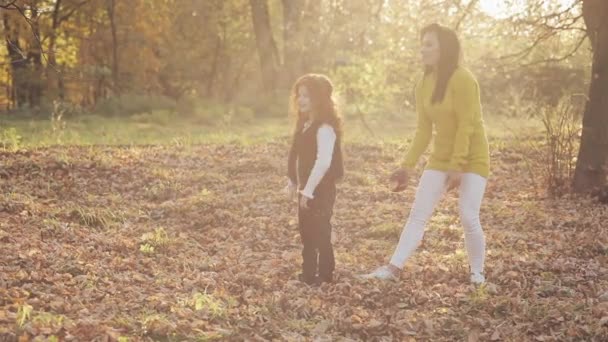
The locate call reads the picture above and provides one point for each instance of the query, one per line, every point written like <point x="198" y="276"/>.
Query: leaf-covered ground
<point x="199" y="243"/>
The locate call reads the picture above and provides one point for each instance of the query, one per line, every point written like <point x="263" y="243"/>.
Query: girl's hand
<point x="453" y="181"/>
<point x="304" y="202"/>
<point x="290" y="190"/>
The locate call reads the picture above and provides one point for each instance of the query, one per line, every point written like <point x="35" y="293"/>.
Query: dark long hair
<point x="449" y="58"/>
<point x="321" y="91"/>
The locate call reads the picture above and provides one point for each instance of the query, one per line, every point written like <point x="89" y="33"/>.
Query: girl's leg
<point x="309" y="247"/>
<point x="430" y="189"/>
<point x="472" y="188"/>
<point x="323" y="214"/>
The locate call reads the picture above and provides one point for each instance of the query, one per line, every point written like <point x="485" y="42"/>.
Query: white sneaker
<point x="477" y="278"/>
<point x="382" y="273"/>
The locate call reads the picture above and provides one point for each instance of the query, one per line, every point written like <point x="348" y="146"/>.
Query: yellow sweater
<point x="460" y="139"/>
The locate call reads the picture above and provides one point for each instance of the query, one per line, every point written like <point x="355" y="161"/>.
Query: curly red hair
<point x="324" y="107"/>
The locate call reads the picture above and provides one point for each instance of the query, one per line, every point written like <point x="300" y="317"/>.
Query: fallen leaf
<point x="322" y="327"/>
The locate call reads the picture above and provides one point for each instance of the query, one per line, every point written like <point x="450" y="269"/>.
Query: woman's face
<point x="429" y="52"/>
<point x="304" y="102"/>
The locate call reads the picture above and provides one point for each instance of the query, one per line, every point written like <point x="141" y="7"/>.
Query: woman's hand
<point x="399" y="179"/>
<point x="453" y="181"/>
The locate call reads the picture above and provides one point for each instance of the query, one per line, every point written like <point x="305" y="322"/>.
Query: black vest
<point x="304" y="150"/>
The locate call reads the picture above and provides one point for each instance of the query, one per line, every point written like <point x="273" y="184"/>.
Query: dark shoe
<point x="314" y="280"/>
<point x="326" y="279"/>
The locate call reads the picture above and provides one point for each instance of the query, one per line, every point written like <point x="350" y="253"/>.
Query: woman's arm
<point x="467" y="107"/>
<point x="422" y="138"/>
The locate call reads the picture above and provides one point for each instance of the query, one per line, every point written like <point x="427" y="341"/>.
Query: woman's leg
<point x="430" y="189"/>
<point x="472" y="188"/>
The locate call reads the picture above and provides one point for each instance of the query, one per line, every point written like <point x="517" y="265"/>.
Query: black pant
<point x="315" y="232"/>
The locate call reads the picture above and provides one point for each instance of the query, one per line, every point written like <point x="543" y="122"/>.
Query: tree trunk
<point x="112" y="16"/>
<point x="52" y="72"/>
<point x="214" y="65"/>
<point x="267" y="49"/>
<point x="316" y="37"/>
<point x="34" y="57"/>
<point x="292" y="67"/>
<point x="591" y="165"/>
<point x="18" y="62"/>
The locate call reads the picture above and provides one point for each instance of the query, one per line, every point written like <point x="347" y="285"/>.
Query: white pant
<point x="430" y="190"/>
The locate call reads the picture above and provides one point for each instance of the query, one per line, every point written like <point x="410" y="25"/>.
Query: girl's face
<point x="429" y="52"/>
<point x="304" y="102"/>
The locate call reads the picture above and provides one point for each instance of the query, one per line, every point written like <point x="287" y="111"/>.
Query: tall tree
<point x="62" y="11"/>
<point x="17" y="58"/>
<point x="111" y="8"/>
<point x="292" y="13"/>
<point x="267" y="48"/>
<point x="34" y="56"/>
<point x="592" y="162"/>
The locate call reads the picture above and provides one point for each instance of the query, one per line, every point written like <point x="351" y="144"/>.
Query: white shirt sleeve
<point x="326" y="139"/>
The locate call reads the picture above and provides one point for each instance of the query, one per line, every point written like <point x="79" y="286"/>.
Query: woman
<point x="447" y="98"/>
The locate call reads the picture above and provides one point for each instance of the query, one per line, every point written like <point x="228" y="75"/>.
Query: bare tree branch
<point x="14" y="62"/>
<point x="467" y="11"/>
<point x="10" y="5"/>
<point x="73" y="10"/>
<point x="550" y="25"/>
<point x="562" y="58"/>
<point x="528" y="50"/>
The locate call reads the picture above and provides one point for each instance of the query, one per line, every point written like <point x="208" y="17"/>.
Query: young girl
<point x="447" y="99"/>
<point x="314" y="167"/>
